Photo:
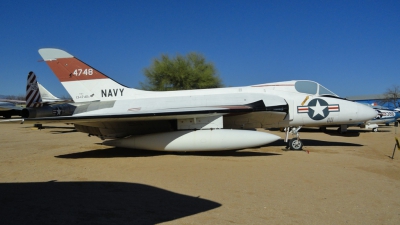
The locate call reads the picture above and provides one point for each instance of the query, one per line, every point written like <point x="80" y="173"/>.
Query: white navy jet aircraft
<point x="189" y="120"/>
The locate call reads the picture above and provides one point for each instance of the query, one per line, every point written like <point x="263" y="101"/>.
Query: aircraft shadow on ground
<point x="53" y="127"/>
<point x="64" y="131"/>
<point x="125" y="152"/>
<point x="353" y="133"/>
<point x="56" y="129"/>
<point x="349" y="133"/>
<point x="94" y="203"/>
<point x="311" y="142"/>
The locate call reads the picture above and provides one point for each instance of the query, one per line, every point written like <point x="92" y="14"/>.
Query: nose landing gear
<point x="294" y="143"/>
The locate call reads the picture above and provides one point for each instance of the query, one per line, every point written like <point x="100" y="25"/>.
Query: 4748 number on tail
<point x="86" y="72"/>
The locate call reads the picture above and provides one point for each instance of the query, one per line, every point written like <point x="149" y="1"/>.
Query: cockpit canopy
<point x="311" y="87"/>
<point x="300" y="86"/>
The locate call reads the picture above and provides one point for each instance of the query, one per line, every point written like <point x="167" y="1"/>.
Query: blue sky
<point x="350" y="47"/>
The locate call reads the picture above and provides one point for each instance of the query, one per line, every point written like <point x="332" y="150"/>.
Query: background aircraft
<point x="40" y="100"/>
<point x="397" y="110"/>
<point x="35" y="94"/>
<point x="384" y="116"/>
<point x="48" y="97"/>
<point x="8" y="108"/>
<point x="189" y="120"/>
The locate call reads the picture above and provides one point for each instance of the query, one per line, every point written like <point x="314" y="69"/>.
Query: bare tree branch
<point x="392" y="96"/>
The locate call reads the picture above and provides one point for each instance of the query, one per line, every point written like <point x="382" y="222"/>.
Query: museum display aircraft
<point x="36" y="95"/>
<point x="188" y="120"/>
<point x="385" y="116"/>
<point x="9" y="108"/>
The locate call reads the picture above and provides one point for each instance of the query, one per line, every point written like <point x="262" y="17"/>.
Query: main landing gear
<point x="294" y="143"/>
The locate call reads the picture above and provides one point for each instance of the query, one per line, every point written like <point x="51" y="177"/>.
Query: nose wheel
<point x="294" y="143"/>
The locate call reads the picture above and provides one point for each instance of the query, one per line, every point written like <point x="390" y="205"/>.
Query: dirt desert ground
<point x="59" y="176"/>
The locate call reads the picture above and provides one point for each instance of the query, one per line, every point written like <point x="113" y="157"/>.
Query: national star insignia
<point x="318" y="109"/>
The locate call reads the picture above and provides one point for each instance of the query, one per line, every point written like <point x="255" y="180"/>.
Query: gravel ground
<point x="59" y="176"/>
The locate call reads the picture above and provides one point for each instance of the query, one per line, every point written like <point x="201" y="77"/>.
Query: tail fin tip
<point x="49" y="54"/>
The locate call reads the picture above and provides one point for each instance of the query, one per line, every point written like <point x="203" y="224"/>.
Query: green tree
<point x="180" y="73"/>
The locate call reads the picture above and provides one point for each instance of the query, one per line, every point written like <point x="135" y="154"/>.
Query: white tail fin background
<point x="46" y="96"/>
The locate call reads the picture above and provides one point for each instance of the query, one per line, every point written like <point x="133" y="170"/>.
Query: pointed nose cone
<point x="365" y="113"/>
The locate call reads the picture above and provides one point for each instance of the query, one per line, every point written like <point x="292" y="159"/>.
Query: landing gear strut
<point x="342" y="129"/>
<point x="295" y="143"/>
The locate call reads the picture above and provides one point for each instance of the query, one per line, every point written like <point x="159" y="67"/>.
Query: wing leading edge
<point x="162" y="114"/>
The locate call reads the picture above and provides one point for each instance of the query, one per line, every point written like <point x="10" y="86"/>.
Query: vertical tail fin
<point x="33" y="98"/>
<point x="83" y="82"/>
<point x="46" y="95"/>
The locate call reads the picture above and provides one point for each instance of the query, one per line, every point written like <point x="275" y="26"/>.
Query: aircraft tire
<point x="295" y="144"/>
<point x="375" y="129"/>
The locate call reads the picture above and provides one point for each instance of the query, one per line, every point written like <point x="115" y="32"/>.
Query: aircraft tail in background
<point x="46" y="95"/>
<point x="37" y="95"/>
<point x="32" y="97"/>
